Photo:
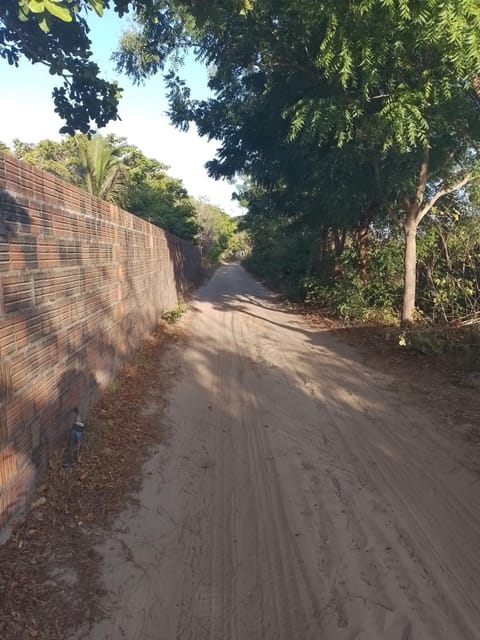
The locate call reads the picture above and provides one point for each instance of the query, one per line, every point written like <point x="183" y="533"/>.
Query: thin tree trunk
<point x="415" y="210"/>
<point x="362" y="236"/>
<point x="339" y="246"/>
<point x="410" y="271"/>
<point x="413" y="216"/>
<point x="445" y="247"/>
<point x="324" y="243"/>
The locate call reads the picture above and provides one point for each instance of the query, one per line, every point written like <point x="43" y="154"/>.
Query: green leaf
<point x="36" y="6"/>
<point x="245" y="7"/>
<point x="22" y="14"/>
<point x="43" y="24"/>
<point x="97" y="6"/>
<point x="59" y="11"/>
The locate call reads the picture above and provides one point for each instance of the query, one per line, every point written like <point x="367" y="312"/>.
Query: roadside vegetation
<point x="358" y="278"/>
<point x="357" y="274"/>
<point x="359" y="153"/>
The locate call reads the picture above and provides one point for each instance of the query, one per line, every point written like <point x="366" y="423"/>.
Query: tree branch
<point x="406" y="202"/>
<point x="423" y="176"/>
<point x="395" y="219"/>
<point x="443" y="192"/>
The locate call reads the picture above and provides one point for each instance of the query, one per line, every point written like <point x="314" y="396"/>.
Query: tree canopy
<point x="341" y="114"/>
<point x="54" y="33"/>
<point x="216" y="230"/>
<point x="319" y="84"/>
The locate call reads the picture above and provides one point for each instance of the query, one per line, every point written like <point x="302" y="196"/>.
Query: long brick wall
<point x="81" y="282"/>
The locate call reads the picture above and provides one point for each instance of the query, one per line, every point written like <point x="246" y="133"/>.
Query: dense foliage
<point x="335" y="124"/>
<point x="350" y="141"/>
<point x="324" y="268"/>
<point x="55" y="34"/>
<point x="216" y="230"/>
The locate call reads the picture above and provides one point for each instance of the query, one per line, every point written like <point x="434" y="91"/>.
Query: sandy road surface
<point x="295" y="498"/>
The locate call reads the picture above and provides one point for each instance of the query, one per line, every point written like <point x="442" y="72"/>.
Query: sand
<point x="297" y="496"/>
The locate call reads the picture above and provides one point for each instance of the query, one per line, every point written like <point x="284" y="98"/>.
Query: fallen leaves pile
<point x="49" y="568"/>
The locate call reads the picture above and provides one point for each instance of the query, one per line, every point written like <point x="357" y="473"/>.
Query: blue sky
<point x="26" y="112"/>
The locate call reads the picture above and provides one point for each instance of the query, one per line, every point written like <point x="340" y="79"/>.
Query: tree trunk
<point x="410" y="271"/>
<point x="338" y="247"/>
<point x="414" y="214"/>
<point x="324" y="244"/>
<point x="362" y="236"/>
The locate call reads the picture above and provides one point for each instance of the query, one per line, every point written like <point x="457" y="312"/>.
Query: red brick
<point x="13" y="415"/>
<point x="17" y="292"/>
<point x="7" y="337"/>
<point x="90" y="280"/>
<point x="8" y="467"/>
<point x="47" y="253"/>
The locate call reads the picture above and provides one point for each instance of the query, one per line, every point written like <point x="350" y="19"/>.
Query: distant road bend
<point x="296" y="496"/>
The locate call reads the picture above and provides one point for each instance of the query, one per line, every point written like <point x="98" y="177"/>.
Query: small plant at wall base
<point x="177" y="312"/>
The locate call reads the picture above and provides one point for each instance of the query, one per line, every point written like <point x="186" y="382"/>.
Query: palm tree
<point x="100" y="167"/>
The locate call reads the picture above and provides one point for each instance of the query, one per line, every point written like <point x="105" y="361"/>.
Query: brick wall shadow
<point x="81" y="283"/>
<point x="43" y="371"/>
<point x="186" y="263"/>
<point x="12" y="404"/>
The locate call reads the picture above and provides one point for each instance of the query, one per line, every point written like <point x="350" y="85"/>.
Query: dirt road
<point x="295" y="497"/>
